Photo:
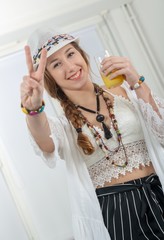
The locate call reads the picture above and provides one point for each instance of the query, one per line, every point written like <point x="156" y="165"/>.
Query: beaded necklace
<point x="97" y="136"/>
<point x="99" y="117"/>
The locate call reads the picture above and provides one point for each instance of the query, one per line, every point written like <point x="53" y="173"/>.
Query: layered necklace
<point x="107" y="133"/>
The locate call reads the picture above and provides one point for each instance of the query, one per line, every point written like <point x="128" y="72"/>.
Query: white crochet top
<point x="100" y="169"/>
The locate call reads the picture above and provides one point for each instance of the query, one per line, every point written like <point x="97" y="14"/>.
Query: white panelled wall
<point x="126" y="36"/>
<point x="151" y="19"/>
<point x="34" y="197"/>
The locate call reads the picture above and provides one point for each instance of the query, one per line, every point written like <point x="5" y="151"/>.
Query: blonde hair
<point x="71" y="112"/>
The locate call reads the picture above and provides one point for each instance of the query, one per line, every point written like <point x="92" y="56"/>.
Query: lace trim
<point x="159" y="101"/>
<point x="103" y="171"/>
<point x="155" y="123"/>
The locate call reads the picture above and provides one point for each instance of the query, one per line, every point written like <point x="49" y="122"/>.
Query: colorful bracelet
<point x="33" y="112"/>
<point x="138" y="84"/>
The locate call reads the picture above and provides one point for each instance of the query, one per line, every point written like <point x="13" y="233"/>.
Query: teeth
<point x="75" y="76"/>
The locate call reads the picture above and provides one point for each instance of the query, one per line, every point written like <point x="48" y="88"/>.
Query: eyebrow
<point x="57" y="58"/>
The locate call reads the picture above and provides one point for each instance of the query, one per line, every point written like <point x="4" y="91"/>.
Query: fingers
<point x="30" y="82"/>
<point x="110" y="61"/>
<point x="31" y="92"/>
<point x="114" y="59"/>
<point x="108" y="69"/>
<point x="29" y="85"/>
<point x="129" y="75"/>
<point x="28" y="59"/>
<point x="116" y="66"/>
<point x="42" y="63"/>
<point x="32" y="86"/>
<point x="118" y="73"/>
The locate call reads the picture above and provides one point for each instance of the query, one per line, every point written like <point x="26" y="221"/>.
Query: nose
<point x="69" y="66"/>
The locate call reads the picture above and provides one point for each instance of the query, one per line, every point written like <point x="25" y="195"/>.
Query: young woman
<point x="111" y="139"/>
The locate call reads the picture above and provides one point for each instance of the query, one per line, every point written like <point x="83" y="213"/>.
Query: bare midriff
<point x="143" y="171"/>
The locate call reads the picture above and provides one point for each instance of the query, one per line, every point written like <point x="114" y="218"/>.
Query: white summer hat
<point x="49" y="39"/>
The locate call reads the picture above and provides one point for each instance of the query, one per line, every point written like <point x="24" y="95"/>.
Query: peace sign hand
<point x="32" y="86"/>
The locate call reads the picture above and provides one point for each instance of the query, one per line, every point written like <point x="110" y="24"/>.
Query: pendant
<point x="100" y="118"/>
<point x="107" y="132"/>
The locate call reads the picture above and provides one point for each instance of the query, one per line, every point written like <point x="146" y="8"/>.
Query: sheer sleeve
<point x="154" y="122"/>
<point x="56" y="135"/>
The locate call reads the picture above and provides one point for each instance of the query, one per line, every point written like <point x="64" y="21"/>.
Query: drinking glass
<point x="109" y="83"/>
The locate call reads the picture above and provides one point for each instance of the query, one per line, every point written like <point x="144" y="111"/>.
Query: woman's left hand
<point x="116" y="66"/>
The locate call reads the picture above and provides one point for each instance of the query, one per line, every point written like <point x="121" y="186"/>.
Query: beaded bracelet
<point x="33" y="112"/>
<point x="137" y="85"/>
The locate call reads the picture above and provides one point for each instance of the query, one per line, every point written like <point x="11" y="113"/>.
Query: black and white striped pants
<point x="134" y="210"/>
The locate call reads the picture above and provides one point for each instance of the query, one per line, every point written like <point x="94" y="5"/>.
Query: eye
<point x="57" y="64"/>
<point x="70" y="54"/>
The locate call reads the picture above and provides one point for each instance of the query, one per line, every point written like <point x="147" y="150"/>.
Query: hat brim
<point x="57" y="48"/>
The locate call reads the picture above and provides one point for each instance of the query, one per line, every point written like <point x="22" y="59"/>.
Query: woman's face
<point x="68" y="68"/>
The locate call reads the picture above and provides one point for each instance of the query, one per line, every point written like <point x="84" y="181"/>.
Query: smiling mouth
<point x="75" y="76"/>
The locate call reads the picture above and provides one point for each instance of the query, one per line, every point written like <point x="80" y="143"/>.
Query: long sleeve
<point x="56" y="128"/>
<point x="153" y="120"/>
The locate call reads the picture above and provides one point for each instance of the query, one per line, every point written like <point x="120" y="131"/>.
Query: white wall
<point x="41" y="188"/>
<point x="124" y="30"/>
<point x="11" y="224"/>
<point x="151" y="18"/>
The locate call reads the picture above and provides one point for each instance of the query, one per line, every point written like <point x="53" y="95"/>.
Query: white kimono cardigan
<point x="87" y="218"/>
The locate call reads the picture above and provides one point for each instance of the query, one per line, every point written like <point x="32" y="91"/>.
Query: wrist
<point x="35" y="111"/>
<point x="138" y="84"/>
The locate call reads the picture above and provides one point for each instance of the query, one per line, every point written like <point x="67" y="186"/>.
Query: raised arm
<point x="122" y="66"/>
<point x="152" y="108"/>
<point x="32" y="88"/>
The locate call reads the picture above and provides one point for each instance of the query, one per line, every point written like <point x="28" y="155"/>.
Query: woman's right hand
<point x="32" y="86"/>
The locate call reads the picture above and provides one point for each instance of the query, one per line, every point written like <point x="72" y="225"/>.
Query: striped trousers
<point x="133" y="210"/>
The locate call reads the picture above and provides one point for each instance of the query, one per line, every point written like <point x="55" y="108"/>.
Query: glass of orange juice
<point x="109" y="83"/>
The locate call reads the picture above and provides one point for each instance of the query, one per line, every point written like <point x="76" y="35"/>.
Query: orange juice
<point x="113" y="82"/>
<point x="109" y="83"/>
